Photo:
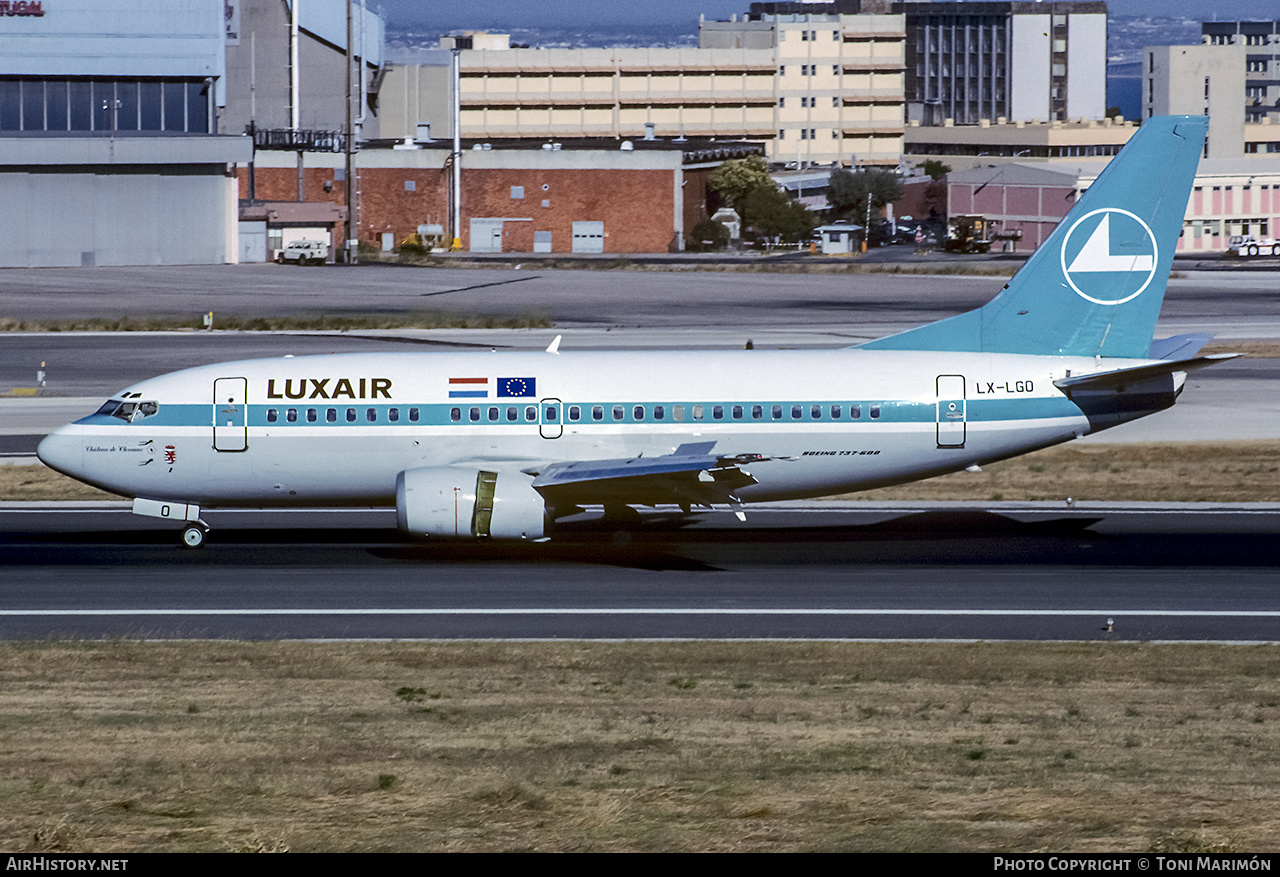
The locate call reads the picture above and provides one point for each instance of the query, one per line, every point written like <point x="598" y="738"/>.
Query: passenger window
<point x="493" y="414"/>
<point x="550" y="414"/>
<point x="311" y="415"/>
<point x="875" y="411"/>
<point x="513" y="414"/>
<point x="531" y="414"/>
<point x="393" y="414"/>
<point x="659" y="412"/>
<point x="776" y="412"/>
<point x="413" y="414"/>
<point x="331" y="415"/>
<point x="816" y="412"/>
<point x="272" y="415"/>
<point x="697" y="412"/>
<point x="371" y="415"/>
<point x="835" y="412"/>
<point x="855" y="412"/>
<point x="597" y="412"/>
<point x="455" y="414"/>
<point x="796" y="412"/>
<point x="575" y="413"/>
<point x="474" y="414"/>
<point x="757" y="412"/>
<point x="618" y="412"/>
<point x="678" y="413"/>
<point x="351" y="415"/>
<point x="291" y="415"/>
<point x="718" y="412"/>
<point x="737" y="412"/>
<point x="638" y="412"/>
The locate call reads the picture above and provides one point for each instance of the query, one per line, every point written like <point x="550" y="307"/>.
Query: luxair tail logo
<point x="1109" y="256"/>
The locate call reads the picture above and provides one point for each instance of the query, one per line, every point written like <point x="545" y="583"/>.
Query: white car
<point x="304" y="253"/>
<point x="1251" y="245"/>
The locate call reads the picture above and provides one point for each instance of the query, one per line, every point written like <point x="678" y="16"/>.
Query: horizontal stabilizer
<point x="1125" y="376"/>
<point x="1179" y="346"/>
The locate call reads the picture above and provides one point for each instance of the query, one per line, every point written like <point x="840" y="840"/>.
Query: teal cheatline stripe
<point x="442" y="414"/>
<point x="1094" y="288"/>
<point x="1020" y="409"/>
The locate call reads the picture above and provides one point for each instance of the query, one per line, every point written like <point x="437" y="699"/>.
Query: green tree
<point x="935" y="193"/>
<point x="738" y="178"/>
<point x="935" y="169"/>
<point x="847" y="192"/>
<point x="771" y="212"/>
<point x="708" y="235"/>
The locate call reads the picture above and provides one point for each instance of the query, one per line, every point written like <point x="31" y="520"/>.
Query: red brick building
<point x="602" y="196"/>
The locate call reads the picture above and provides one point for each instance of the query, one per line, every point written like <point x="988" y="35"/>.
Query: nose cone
<point x="62" y="452"/>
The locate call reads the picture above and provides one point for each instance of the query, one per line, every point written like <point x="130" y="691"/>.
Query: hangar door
<point x="588" y="237"/>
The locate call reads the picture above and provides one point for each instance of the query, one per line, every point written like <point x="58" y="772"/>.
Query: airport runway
<point x="1034" y="571"/>
<point x="817" y="570"/>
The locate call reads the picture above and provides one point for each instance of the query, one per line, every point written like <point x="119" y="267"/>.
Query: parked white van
<point x="305" y="253"/>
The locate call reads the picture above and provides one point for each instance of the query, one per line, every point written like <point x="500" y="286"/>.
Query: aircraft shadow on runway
<point x="659" y="542"/>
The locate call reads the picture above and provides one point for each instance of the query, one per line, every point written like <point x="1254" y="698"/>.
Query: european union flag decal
<point x="517" y="387"/>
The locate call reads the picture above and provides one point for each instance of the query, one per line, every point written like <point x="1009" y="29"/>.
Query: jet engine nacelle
<point x="469" y="503"/>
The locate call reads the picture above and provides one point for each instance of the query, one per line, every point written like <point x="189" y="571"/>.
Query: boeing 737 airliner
<point x="500" y="445"/>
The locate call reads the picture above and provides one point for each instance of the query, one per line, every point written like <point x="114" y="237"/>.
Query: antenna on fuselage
<point x="554" y="347"/>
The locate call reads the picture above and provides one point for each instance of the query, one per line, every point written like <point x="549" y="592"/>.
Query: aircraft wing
<point x="691" y="475"/>
<point x="1120" y="377"/>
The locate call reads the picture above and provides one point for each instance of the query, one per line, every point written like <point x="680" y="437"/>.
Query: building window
<point x="410" y="186"/>
<point x="517" y="193"/>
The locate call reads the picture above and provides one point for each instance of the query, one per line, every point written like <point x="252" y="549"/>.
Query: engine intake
<point x="469" y="504"/>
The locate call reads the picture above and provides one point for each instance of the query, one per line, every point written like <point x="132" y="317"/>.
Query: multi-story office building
<point x="1231" y="76"/>
<point x="813" y="86"/>
<point x="1024" y="61"/>
<point x="285" y="74"/>
<point x="1199" y="80"/>
<point x="1261" y="42"/>
<point x="838" y="82"/>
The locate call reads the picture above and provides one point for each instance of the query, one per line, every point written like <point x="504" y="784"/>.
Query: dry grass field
<point x="151" y="746"/>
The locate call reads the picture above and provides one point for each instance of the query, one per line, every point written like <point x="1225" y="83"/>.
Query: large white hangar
<point x="107" y="150"/>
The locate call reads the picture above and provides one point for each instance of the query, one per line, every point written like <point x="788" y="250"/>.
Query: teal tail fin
<point x="1094" y="288"/>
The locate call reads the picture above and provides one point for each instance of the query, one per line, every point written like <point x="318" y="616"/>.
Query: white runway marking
<point x="1164" y="613"/>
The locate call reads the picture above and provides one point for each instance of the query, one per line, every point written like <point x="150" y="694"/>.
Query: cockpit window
<point x="129" y="412"/>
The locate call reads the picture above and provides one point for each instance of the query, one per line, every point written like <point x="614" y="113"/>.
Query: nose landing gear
<point x="193" y="535"/>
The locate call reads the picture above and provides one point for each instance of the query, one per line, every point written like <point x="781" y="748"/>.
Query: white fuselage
<point x="337" y="430"/>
